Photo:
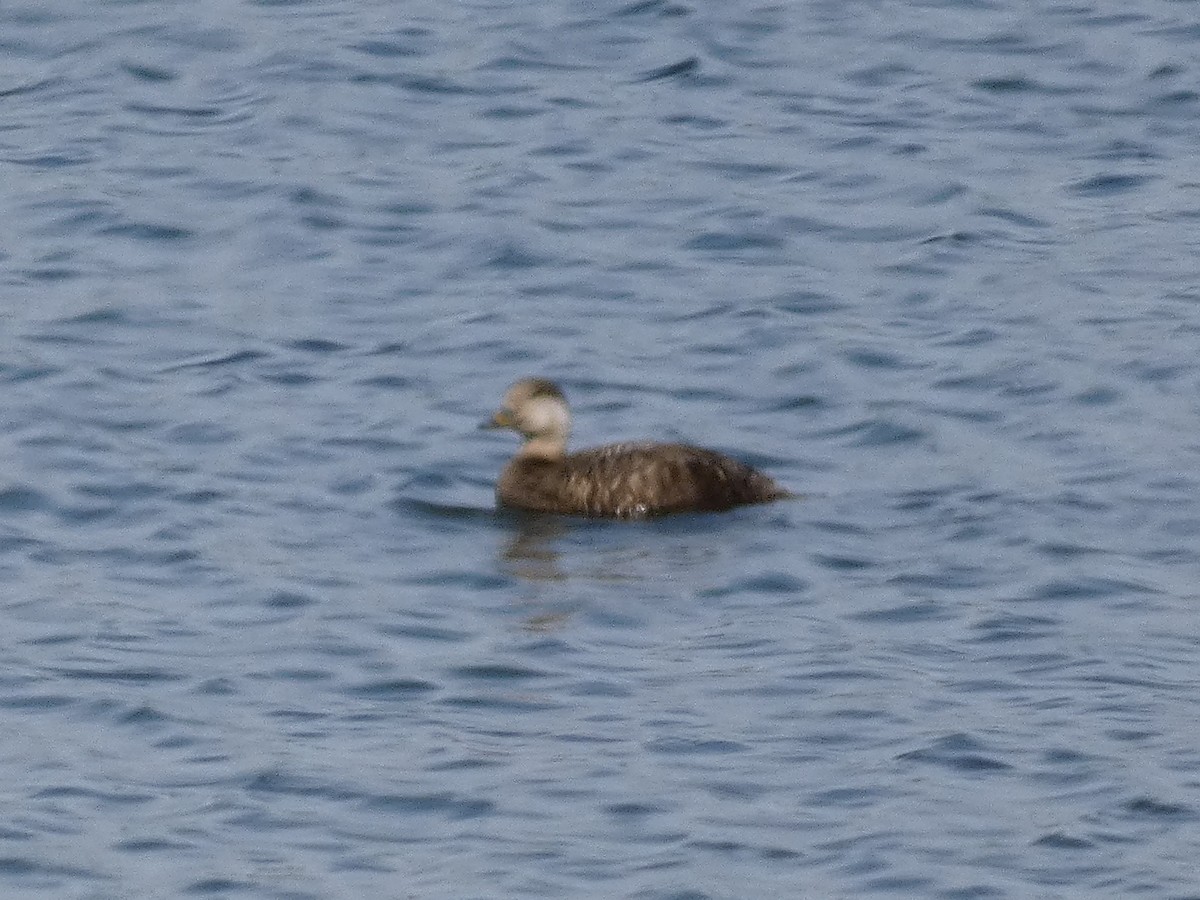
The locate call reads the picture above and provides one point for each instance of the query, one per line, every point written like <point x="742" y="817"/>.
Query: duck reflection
<point x="555" y="549"/>
<point x="529" y="553"/>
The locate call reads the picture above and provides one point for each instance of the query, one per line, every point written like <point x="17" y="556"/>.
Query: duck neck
<point x="544" y="446"/>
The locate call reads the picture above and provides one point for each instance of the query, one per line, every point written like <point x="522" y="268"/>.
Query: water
<point x="265" y="266"/>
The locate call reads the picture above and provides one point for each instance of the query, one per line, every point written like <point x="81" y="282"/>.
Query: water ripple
<point x="267" y="265"/>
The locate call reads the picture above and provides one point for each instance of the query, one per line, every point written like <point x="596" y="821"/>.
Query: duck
<point x="615" y="481"/>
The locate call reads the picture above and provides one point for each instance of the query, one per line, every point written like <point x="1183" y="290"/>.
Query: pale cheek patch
<point x="547" y="416"/>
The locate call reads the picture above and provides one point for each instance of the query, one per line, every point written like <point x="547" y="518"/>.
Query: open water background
<point x="266" y="265"/>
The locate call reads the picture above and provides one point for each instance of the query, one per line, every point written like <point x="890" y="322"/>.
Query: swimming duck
<point x="618" y="481"/>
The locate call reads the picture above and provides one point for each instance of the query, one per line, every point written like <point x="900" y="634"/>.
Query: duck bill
<point x="499" y="420"/>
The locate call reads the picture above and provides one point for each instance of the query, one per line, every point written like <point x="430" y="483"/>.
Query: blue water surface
<point x="266" y="265"/>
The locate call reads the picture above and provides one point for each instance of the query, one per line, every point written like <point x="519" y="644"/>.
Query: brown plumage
<point x="623" y="481"/>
